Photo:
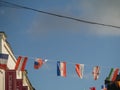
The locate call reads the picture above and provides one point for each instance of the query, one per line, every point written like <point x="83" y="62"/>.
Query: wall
<point x="2" y="79"/>
<point x="5" y="48"/>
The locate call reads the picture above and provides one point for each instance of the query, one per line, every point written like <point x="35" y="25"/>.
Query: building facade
<point x="11" y="79"/>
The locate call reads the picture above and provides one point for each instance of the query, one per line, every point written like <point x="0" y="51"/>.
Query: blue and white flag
<point x="61" y="69"/>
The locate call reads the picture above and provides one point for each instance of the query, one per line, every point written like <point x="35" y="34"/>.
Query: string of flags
<point x="61" y="68"/>
<point x="79" y="69"/>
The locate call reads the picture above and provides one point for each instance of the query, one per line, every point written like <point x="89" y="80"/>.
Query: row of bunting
<point x="79" y="68"/>
<point x="61" y="67"/>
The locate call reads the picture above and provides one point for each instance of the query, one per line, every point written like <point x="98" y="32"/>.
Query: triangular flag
<point x="96" y="72"/>
<point x="61" y="69"/>
<point x="79" y="68"/>
<point x="21" y="63"/>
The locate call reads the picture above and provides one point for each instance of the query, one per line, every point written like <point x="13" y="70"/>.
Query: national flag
<point x="61" y="69"/>
<point x="96" y="72"/>
<point x="79" y="68"/>
<point x="104" y="87"/>
<point x="3" y="60"/>
<point x="38" y="63"/>
<point x="113" y="74"/>
<point x="92" y="88"/>
<point x="21" y="63"/>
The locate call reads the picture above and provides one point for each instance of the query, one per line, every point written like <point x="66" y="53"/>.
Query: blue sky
<point x="35" y="35"/>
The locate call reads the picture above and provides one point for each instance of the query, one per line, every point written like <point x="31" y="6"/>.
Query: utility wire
<point x="58" y="15"/>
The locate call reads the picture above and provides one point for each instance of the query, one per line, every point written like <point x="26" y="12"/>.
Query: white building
<point x="6" y="49"/>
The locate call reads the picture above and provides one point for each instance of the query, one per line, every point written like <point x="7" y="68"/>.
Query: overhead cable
<point x="58" y="15"/>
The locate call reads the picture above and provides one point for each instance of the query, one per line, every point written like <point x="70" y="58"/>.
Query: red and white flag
<point x="92" y="88"/>
<point x="79" y="68"/>
<point x="96" y="72"/>
<point x="21" y="63"/>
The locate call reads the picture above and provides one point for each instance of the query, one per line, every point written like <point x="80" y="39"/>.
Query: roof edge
<point x="2" y="32"/>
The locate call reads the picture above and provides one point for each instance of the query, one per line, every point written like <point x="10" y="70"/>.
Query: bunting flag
<point x="92" y="88"/>
<point x="61" y="69"/>
<point x="3" y="61"/>
<point x="96" y="72"/>
<point x="113" y="74"/>
<point x="38" y="63"/>
<point x="79" y="68"/>
<point x="21" y="63"/>
<point x="104" y="87"/>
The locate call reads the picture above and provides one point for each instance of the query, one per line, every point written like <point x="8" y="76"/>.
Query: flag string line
<point x="87" y="73"/>
<point x="73" y="75"/>
<point x="68" y="62"/>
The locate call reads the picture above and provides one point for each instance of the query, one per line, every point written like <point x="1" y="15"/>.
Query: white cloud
<point x="107" y="12"/>
<point x="101" y="11"/>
